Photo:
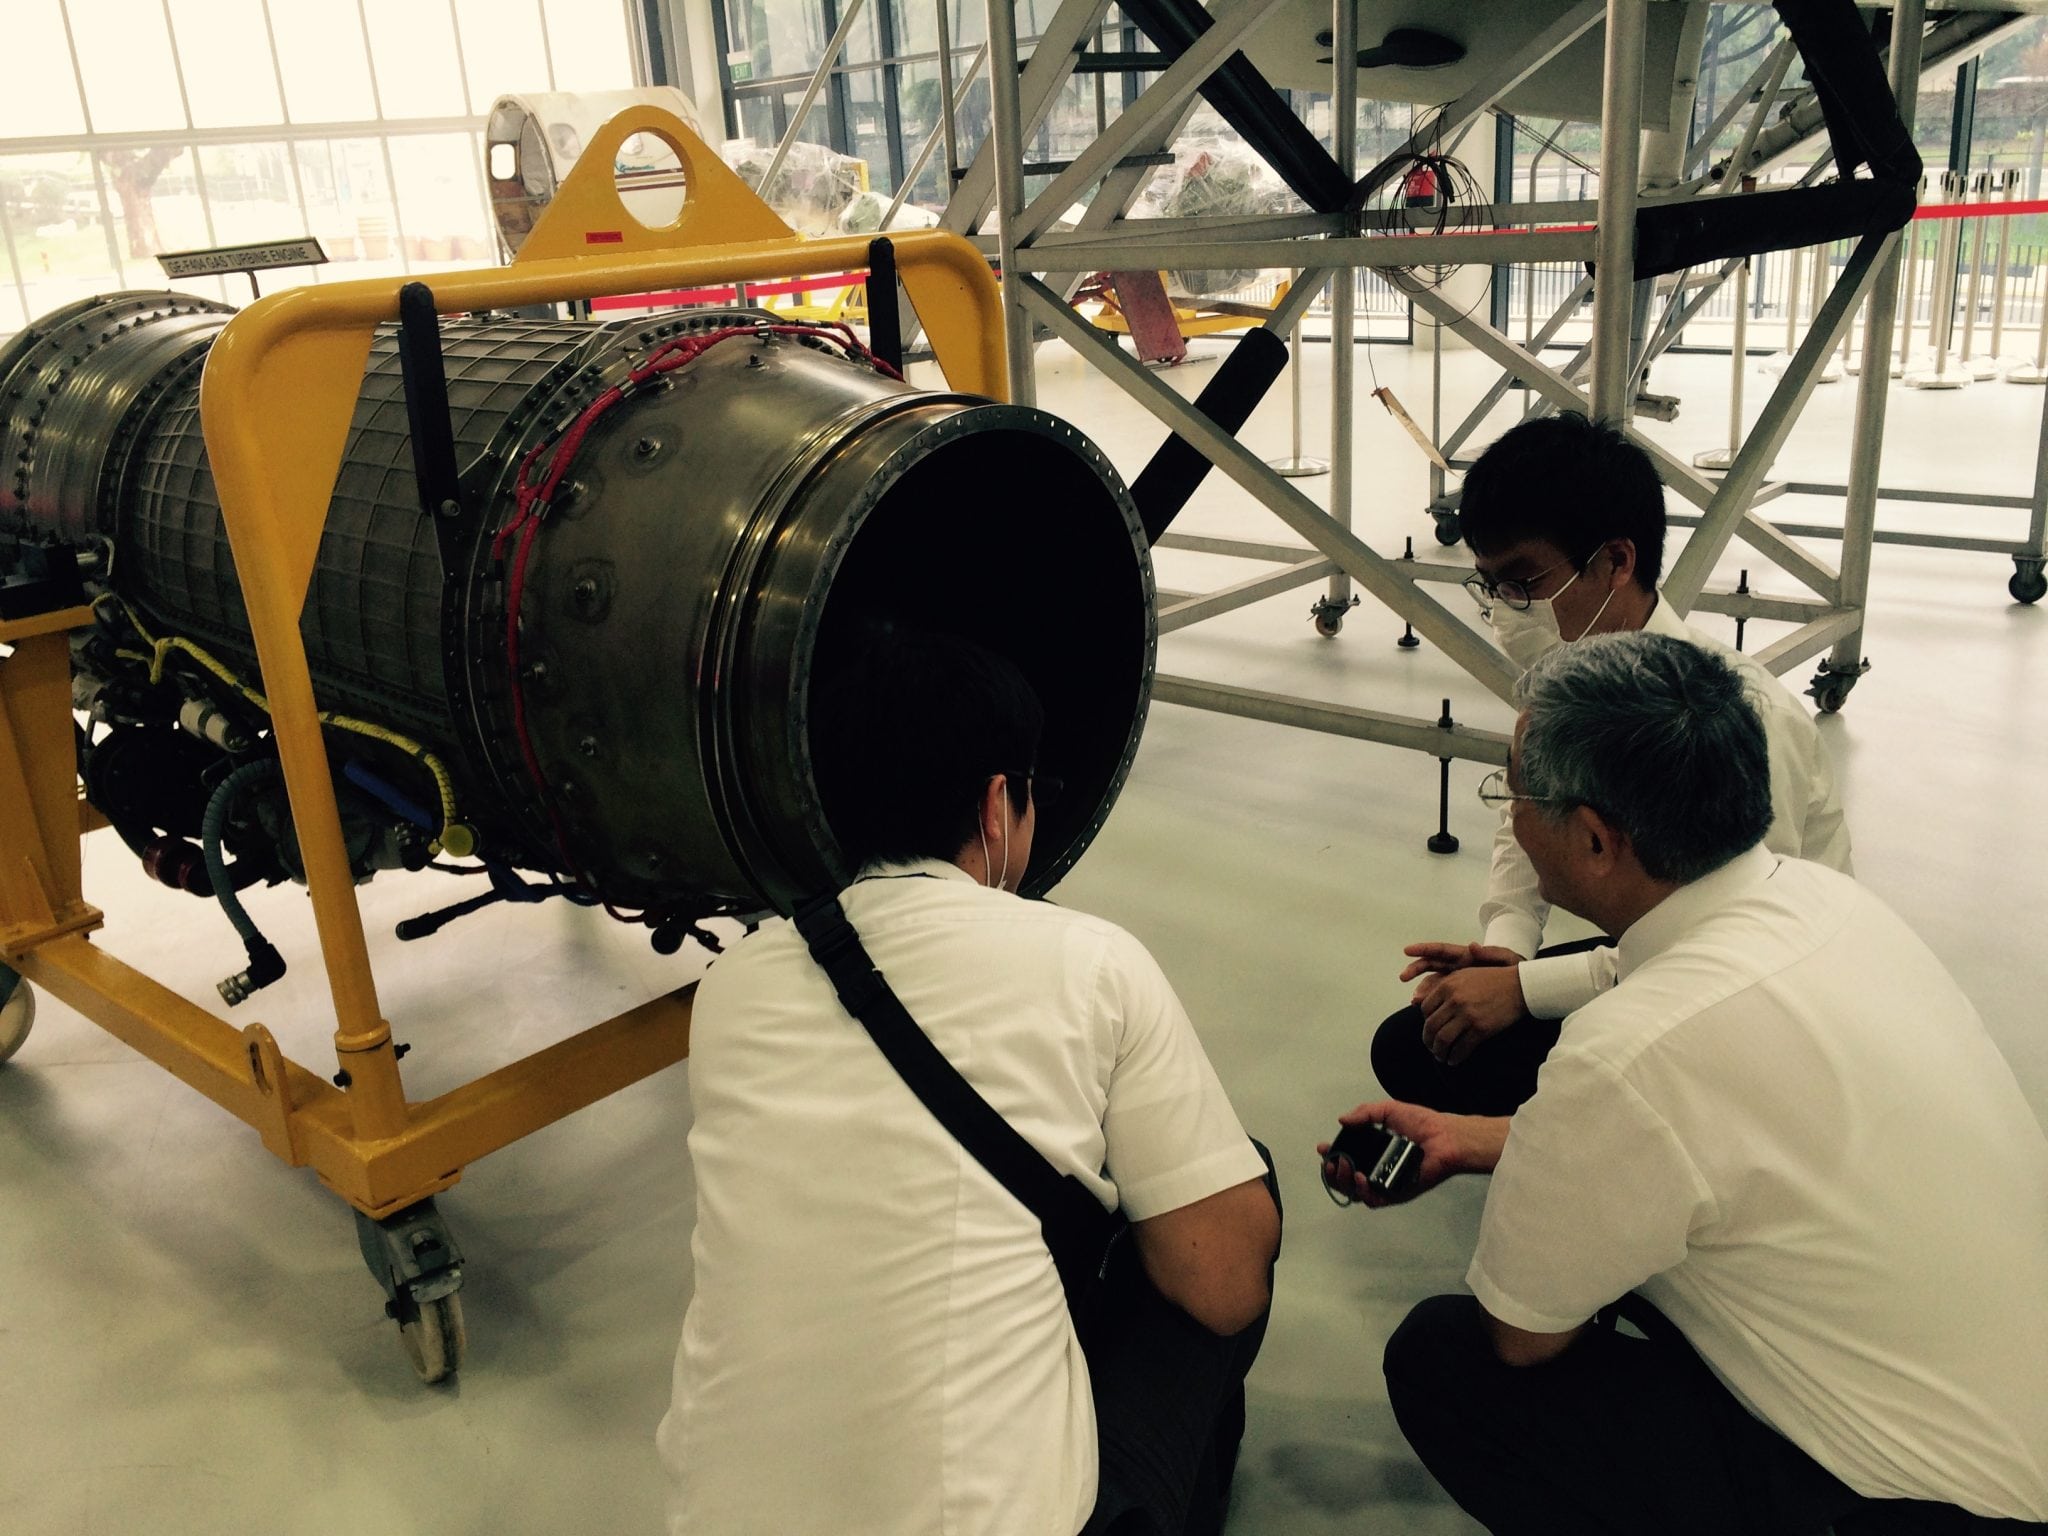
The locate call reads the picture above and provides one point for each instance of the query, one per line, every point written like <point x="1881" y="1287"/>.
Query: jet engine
<point x="593" y="665"/>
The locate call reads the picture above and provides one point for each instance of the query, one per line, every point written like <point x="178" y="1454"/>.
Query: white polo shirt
<point x="878" y="1341"/>
<point x="1787" y="1128"/>
<point x="1806" y="823"/>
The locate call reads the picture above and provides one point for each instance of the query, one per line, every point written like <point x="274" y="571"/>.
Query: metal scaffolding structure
<point x="1041" y="263"/>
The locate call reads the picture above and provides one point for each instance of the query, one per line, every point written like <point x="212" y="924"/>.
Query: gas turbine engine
<point x="596" y="661"/>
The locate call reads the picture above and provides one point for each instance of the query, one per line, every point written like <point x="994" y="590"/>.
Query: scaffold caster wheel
<point x="1448" y="529"/>
<point x="17" y="1013"/>
<point x="1830" y="690"/>
<point x="414" y="1257"/>
<point x="435" y="1339"/>
<point x="1328" y="614"/>
<point x="2029" y="582"/>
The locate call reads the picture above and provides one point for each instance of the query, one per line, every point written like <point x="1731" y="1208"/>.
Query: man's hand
<point x="1461" y="1010"/>
<point x="1442" y="959"/>
<point x="1449" y="1143"/>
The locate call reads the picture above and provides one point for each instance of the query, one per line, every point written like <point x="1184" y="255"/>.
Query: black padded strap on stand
<point x="1864" y="129"/>
<point x="1076" y="1228"/>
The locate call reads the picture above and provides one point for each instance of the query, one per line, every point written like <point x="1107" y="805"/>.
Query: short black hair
<point x="907" y="728"/>
<point x="1572" y="482"/>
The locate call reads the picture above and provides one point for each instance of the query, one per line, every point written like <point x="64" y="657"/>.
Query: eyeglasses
<point x="1516" y="592"/>
<point x="1044" y="787"/>
<point x="1495" y="791"/>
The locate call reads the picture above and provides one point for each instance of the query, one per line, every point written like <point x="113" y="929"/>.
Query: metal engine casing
<point x="718" y="533"/>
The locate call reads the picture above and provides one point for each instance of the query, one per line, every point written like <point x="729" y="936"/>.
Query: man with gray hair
<point x="1782" y="1147"/>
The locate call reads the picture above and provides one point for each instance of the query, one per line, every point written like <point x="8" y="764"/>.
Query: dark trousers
<point x="1616" y="1437"/>
<point x="1169" y="1405"/>
<point x="1496" y="1079"/>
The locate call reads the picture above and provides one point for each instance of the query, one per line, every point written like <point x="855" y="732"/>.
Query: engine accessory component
<point x="265" y="963"/>
<point x="210" y="724"/>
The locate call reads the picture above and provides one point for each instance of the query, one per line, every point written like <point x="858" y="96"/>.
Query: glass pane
<point x="251" y="192"/>
<point x="124" y="51"/>
<point x="971" y="122"/>
<point x="60" y="238"/>
<point x="12" y="316"/>
<point x="440" y="199"/>
<point x="864" y="43"/>
<point x="587" y="41"/>
<point x="757" y="121"/>
<point x="161" y="210"/>
<point x="917" y="27"/>
<point x="348" y="204"/>
<point x="970" y="22"/>
<point x="412" y="47"/>
<point x="42" y="98"/>
<point x="870" y="127"/>
<point x="501" y="49"/>
<point x="919" y="95"/>
<point x="771" y="41"/>
<point x="155" y="198"/>
<point x="326" y="72"/>
<point x="224" y="49"/>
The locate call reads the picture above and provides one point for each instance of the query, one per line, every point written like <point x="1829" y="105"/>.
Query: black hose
<point x="265" y="964"/>
<point x="218" y="808"/>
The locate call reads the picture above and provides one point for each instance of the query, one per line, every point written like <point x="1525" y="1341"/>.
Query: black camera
<point x="1391" y="1163"/>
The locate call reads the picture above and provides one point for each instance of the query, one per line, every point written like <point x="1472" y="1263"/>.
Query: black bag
<point x="1077" y="1230"/>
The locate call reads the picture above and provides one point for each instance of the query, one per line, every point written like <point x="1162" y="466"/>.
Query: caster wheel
<point x="1448" y="528"/>
<point x="1329" y="624"/>
<point x="1831" y="693"/>
<point x="436" y="1339"/>
<point x="2028" y="586"/>
<point x="17" y="1014"/>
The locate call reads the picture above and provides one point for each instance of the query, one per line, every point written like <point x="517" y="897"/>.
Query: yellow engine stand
<point x="276" y="398"/>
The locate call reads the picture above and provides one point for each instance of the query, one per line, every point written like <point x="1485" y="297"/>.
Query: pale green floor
<point x="188" y="1342"/>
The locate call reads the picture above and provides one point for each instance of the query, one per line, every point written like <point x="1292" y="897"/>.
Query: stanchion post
<point x="1295" y="466"/>
<point x="1831" y="370"/>
<point x="2035" y="372"/>
<point x="1795" y="274"/>
<point x="1721" y="458"/>
<point x="1941" y="317"/>
<point x="1909" y="296"/>
<point x="1978" y="368"/>
<point x="2010" y="178"/>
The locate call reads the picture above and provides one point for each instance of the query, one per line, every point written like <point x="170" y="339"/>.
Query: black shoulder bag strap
<point x="1075" y="1226"/>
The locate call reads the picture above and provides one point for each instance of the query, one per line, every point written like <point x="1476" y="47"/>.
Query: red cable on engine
<point x="533" y="498"/>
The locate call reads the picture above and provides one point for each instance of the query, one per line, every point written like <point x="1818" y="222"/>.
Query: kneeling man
<point x="879" y="1343"/>
<point x="1782" y="1147"/>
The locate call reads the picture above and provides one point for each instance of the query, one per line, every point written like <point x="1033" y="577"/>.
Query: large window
<point x="882" y="101"/>
<point x="130" y="127"/>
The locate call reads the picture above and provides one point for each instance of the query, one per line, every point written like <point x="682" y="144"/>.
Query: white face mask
<point x="1526" y="634"/>
<point x="1529" y="634"/>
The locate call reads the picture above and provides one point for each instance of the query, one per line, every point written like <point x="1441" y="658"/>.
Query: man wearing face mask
<point x="878" y="1339"/>
<point x="1565" y="520"/>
